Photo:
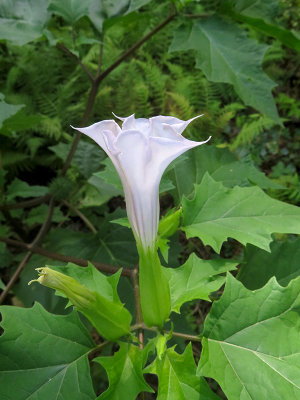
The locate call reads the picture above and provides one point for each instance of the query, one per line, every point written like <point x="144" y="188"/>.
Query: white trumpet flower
<point x="141" y="151"/>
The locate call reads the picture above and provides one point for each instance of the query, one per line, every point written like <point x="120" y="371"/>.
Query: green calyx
<point x="154" y="288"/>
<point x="110" y="319"/>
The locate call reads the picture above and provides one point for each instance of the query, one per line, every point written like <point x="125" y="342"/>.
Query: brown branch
<point x="26" y="203"/>
<point x="61" y="257"/>
<point x="138" y="44"/>
<point x="39" y="238"/>
<point x="81" y="216"/>
<point x="15" y="276"/>
<point x="69" y="52"/>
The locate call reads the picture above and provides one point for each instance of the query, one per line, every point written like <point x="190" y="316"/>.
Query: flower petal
<point x="159" y="123"/>
<point x="96" y="131"/>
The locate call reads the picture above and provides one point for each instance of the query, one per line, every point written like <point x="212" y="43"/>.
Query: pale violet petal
<point x="140" y="186"/>
<point x="159" y="123"/>
<point x="95" y="132"/>
<point x="166" y="150"/>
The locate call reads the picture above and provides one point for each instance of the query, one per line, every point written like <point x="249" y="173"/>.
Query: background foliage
<point x="73" y="63"/>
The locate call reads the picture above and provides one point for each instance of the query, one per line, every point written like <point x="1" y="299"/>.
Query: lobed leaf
<point x="44" y="356"/>
<point x="245" y="214"/>
<point x="251" y="342"/>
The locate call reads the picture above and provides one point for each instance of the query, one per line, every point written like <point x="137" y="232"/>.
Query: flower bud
<point x="110" y="319"/>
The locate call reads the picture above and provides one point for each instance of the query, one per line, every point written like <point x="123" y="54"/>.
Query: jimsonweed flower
<point x="141" y="151"/>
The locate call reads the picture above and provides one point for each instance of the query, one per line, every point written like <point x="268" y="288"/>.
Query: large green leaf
<point x="221" y="164"/>
<point x="125" y="375"/>
<point x="44" y="356"/>
<point x="226" y="54"/>
<point x="259" y="266"/>
<point x="245" y="214"/>
<point x="22" y="21"/>
<point x="251" y="342"/>
<point x="196" y="279"/>
<point x="177" y="377"/>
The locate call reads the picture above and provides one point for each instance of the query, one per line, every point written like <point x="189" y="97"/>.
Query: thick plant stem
<point x="154" y="288"/>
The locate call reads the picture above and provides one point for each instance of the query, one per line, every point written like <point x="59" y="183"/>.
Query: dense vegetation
<point x="74" y="63"/>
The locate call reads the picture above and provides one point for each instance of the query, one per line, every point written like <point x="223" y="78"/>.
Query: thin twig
<point x="15" y="276"/>
<point x="100" y="58"/>
<point x="135" y="47"/>
<point x="81" y="216"/>
<point x="61" y="257"/>
<point x="83" y="67"/>
<point x="39" y="238"/>
<point x="185" y="336"/>
<point x="26" y="203"/>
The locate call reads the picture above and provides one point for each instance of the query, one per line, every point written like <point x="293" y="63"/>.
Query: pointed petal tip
<point x="122" y="118"/>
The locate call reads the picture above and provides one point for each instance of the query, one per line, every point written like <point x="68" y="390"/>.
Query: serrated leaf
<point x="245" y="214"/>
<point x="259" y="266"/>
<point x="225" y="54"/>
<point x="177" y="377"/>
<point x="44" y="356"/>
<point x="196" y="279"/>
<point x="221" y="164"/>
<point x="251" y="342"/>
<point x="20" y="188"/>
<point x="22" y="21"/>
<point x="125" y="375"/>
<point x="70" y="10"/>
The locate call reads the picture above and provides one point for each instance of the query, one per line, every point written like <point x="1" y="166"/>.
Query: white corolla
<point x="141" y="151"/>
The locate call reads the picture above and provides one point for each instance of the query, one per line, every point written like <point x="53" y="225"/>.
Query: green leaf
<point x="7" y="110"/>
<point x="221" y="164"/>
<point x="44" y="356"/>
<point x="251" y="342"/>
<point x="226" y="54"/>
<point x="196" y="279"/>
<point x="245" y="214"/>
<point x="22" y="21"/>
<point x="70" y="10"/>
<point x="124" y="370"/>
<point x="20" y="188"/>
<point x="177" y="377"/>
<point x="259" y="266"/>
